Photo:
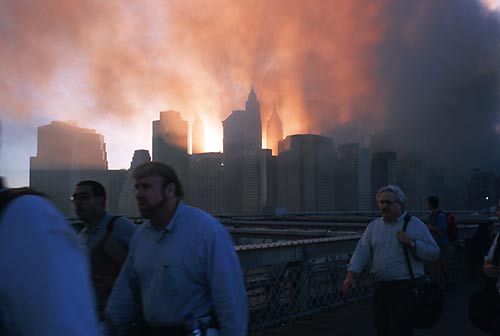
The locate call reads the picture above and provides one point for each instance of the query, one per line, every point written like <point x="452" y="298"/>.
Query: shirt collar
<point x="102" y="224"/>
<point x="173" y="221"/>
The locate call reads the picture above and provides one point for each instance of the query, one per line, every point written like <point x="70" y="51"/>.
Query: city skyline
<point x="342" y="69"/>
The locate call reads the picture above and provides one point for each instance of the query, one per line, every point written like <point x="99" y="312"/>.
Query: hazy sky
<point x="411" y="66"/>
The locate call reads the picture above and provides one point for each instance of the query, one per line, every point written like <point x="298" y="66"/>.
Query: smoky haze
<point x="427" y="70"/>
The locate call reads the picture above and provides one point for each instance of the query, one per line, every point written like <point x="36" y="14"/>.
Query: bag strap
<point x="109" y="228"/>
<point x="405" y="248"/>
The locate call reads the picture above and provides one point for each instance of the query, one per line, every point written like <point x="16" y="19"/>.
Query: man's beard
<point x="150" y="212"/>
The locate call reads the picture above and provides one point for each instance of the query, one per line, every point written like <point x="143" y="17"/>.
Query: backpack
<point x="452" y="230"/>
<point x="11" y="194"/>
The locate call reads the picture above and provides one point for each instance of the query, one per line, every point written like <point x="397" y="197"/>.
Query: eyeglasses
<point x="79" y="197"/>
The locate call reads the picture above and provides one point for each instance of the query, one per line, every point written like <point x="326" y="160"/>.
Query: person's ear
<point x="170" y="190"/>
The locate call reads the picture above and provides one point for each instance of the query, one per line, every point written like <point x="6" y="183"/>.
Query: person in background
<point x="45" y="286"/>
<point x="182" y="269"/>
<point x="107" y="237"/>
<point x="492" y="269"/>
<point x="438" y="226"/>
<point x="382" y="244"/>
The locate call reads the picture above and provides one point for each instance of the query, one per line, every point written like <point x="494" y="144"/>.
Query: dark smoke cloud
<point x="438" y="74"/>
<point x="427" y="69"/>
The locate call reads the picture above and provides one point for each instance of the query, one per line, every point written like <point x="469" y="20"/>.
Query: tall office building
<point x="198" y="136"/>
<point x="207" y="182"/>
<point x="127" y="204"/>
<point x="352" y="178"/>
<point x="242" y="144"/>
<point x="383" y="172"/>
<point x="274" y="131"/>
<point x="482" y="190"/>
<point x="383" y="141"/>
<point x="413" y="178"/>
<point x="65" y="155"/>
<point x="305" y="173"/>
<point x="170" y="142"/>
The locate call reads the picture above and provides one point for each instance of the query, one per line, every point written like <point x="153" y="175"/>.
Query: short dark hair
<point x="155" y="168"/>
<point x="433" y="201"/>
<point x="97" y="188"/>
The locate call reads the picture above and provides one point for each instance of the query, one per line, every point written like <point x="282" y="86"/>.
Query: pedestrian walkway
<point x="356" y="319"/>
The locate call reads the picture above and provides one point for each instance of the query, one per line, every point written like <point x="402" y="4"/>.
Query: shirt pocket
<point x="171" y="275"/>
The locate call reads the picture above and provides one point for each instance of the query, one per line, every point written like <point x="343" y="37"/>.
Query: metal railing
<point x="291" y="280"/>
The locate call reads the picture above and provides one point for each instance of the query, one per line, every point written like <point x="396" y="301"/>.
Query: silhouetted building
<point x="383" y="172"/>
<point x="242" y="144"/>
<point x="66" y="153"/>
<point x="482" y="190"/>
<point x="127" y="204"/>
<point x="305" y="173"/>
<point x="207" y="182"/>
<point x="413" y="180"/>
<point x="274" y="131"/>
<point x="198" y="136"/>
<point x="170" y="143"/>
<point x="383" y="141"/>
<point x="352" y="178"/>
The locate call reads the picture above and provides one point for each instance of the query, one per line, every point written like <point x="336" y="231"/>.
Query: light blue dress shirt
<point x="190" y="267"/>
<point x="45" y="287"/>
<point x="380" y="246"/>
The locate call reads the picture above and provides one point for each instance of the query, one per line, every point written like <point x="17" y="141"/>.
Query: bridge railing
<point x="290" y="280"/>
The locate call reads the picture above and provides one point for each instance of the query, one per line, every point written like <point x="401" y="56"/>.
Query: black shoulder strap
<point x="111" y="224"/>
<point x="407" y="255"/>
<point x="9" y="195"/>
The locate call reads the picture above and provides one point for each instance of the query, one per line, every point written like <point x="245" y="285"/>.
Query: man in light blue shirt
<point x="382" y="245"/>
<point x="181" y="264"/>
<point x="107" y="237"/>
<point x="45" y="286"/>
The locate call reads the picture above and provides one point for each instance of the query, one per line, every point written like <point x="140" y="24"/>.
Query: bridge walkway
<point x="356" y="319"/>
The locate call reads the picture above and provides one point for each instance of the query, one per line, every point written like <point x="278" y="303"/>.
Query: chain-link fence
<point x="282" y="293"/>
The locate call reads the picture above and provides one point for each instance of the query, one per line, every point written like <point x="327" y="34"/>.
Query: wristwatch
<point x="413" y="244"/>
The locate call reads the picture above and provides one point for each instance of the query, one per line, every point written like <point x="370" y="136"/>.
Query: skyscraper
<point x="383" y="171"/>
<point x="305" y="173"/>
<point x="274" y="131"/>
<point x="127" y="204"/>
<point x="66" y="154"/>
<point x="207" y="182"/>
<point x="242" y="143"/>
<point x="170" y="142"/>
<point x="352" y="178"/>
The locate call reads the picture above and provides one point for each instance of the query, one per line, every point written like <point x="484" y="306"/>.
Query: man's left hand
<point x="404" y="238"/>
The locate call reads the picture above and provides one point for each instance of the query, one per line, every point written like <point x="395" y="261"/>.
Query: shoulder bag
<point x="428" y="297"/>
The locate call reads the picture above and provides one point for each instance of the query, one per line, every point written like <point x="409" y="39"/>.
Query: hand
<point x="404" y="238"/>
<point x="490" y="270"/>
<point x="349" y="282"/>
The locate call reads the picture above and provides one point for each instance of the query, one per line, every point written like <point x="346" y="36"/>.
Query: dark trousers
<point x="393" y="308"/>
<point x="496" y="331"/>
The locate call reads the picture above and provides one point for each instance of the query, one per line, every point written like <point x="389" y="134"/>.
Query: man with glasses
<point x="383" y="244"/>
<point x="107" y="237"/>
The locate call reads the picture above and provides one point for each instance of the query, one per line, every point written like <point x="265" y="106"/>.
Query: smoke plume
<point x="426" y="70"/>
